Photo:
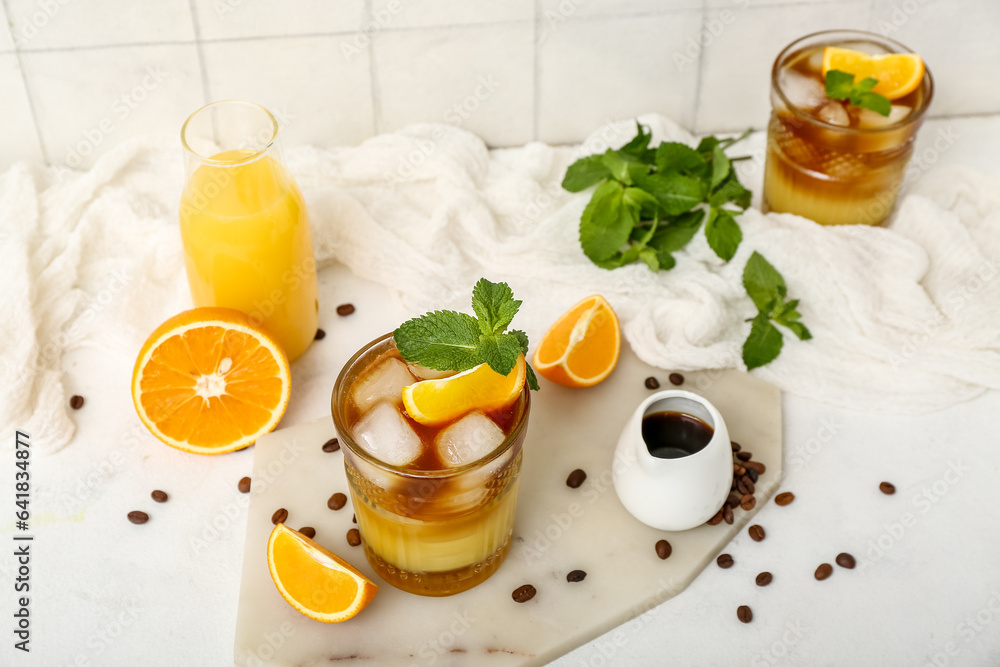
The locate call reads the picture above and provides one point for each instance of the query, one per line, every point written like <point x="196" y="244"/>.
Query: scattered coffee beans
<point x="744" y="614"/>
<point x="663" y="549"/>
<point x="846" y="560"/>
<point x="735" y="445"/>
<point x="652" y="383"/>
<point x="725" y="561"/>
<point x="783" y="499"/>
<point x="138" y="517"/>
<point x="523" y="593"/>
<point x="308" y="531"/>
<point x="764" y="578"/>
<point x="727" y="514"/>
<point x="345" y="309"/>
<point x="331" y="445"/>
<point x="715" y="520"/>
<point x="753" y="474"/>
<point x="676" y="379"/>
<point x="279" y="516"/>
<point x="320" y="334"/>
<point x="336" y="501"/>
<point x="756" y="533"/>
<point x="748" y="504"/>
<point x="354" y="518"/>
<point x="576" y="478"/>
<point x="887" y="488"/>
<point x="744" y="456"/>
<point x="353" y="537"/>
<point x="244" y="485"/>
<point x="823" y="571"/>
<point x="159" y="496"/>
<point x="576" y="576"/>
<point x="76" y="402"/>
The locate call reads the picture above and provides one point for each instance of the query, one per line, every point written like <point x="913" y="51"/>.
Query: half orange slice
<point x="582" y="347"/>
<point x="434" y="402"/>
<point x="898" y="74"/>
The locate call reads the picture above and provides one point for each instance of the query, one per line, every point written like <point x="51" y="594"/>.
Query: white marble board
<point x="557" y="529"/>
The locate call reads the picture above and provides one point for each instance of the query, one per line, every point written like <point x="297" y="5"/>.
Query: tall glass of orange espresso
<point x="244" y="225"/>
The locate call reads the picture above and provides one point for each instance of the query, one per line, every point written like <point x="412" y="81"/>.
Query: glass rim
<point x="348" y="441"/>
<point x="912" y="117"/>
<point x="230" y="163"/>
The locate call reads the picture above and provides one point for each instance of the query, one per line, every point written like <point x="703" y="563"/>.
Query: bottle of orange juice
<point x="244" y="224"/>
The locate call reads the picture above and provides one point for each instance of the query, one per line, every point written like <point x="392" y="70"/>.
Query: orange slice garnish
<point x="898" y="74"/>
<point x="314" y="580"/>
<point x="210" y="381"/>
<point x="582" y="347"/>
<point x="434" y="402"/>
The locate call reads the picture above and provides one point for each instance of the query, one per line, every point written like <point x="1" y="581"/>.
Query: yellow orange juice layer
<point x="247" y="245"/>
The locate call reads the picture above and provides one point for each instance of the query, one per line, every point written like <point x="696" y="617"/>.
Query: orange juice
<point x="247" y="244"/>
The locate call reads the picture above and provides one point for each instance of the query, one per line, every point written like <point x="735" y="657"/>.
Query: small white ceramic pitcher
<point x="677" y="493"/>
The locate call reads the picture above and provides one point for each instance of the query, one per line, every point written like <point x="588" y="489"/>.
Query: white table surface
<point x="926" y="590"/>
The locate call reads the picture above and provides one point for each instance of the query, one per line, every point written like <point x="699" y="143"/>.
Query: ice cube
<point x="424" y="373"/>
<point x="803" y="91"/>
<point x="872" y="120"/>
<point x="385" y="382"/>
<point x="469" y="439"/>
<point x="815" y="62"/>
<point x="385" y="434"/>
<point x="834" y="113"/>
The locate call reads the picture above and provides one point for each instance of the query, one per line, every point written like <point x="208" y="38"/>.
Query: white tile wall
<point x="342" y="70"/>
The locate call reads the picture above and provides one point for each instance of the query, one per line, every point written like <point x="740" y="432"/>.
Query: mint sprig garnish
<point x="840" y="86"/>
<point x="447" y="340"/>
<point x="768" y="292"/>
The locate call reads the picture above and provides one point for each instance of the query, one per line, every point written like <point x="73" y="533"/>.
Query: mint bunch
<point x="768" y="291"/>
<point x="447" y="340"/>
<point x="841" y="86"/>
<point x="651" y="201"/>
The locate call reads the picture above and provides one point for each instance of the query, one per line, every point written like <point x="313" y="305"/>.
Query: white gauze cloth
<point x="904" y="318"/>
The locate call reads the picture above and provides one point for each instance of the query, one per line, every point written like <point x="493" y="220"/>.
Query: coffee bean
<point x="354" y="518"/>
<point x="320" y="334"/>
<point x="744" y="614"/>
<point x="756" y="533"/>
<point x="752" y="474"/>
<point x="887" y="488"/>
<point x="345" y="309"/>
<point x="755" y="465"/>
<point x="738" y="470"/>
<point x="749" y="485"/>
<point x="734" y="498"/>
<point x="331" y="445"/>
<point x="308" y="531"/>
<point x="244" y="485"/>
<point x="524" y="593"/>
<point x="76" y="402"/>
<point x="336" y="501"/>
<point x="727" y="514"/>
<point x="725" y="561"/>
<point x="159" y="496"/>
<point x="279" y="516"/>
<point x="353" y="537"/>
<point x="663" y="549"/>
<point x="764" y="578"/>
<point x="744" y="456"/>
<point x="748" y="504"/>
<point x="741" y="486"/>
<point x="576" y="478"/>
<point x="735" y="445"/>
<point x="676" y="379"/>
<point x="846" y="560"/>
<point x="138" y="517"/>
<point x="652" y="383"/>
<point x="716" y="519"/>
<point x="783" y="499"/>
<point x="576" y="576"/>
<point x="823" y="571"/>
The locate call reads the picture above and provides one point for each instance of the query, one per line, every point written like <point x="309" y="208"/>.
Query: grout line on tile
<point x="695" y="129"/>
<point x="536" y="84"/>
<point x="27" y="90"/>
<point x="206" y="90"/>
<point x="373" y="75"/>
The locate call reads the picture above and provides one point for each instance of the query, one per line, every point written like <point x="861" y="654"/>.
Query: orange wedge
<point x="210" y="381"/>
<point x="315" y="581"/>
<point x="434" y="402"/>
<point x="898" y="74"/>
<point x="582" y="347"/>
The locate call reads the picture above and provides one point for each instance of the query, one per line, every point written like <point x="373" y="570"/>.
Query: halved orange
<point x="582" y="347"/>
<point x="314" y="580"/>
<point x="210" y="381"/>
<point x="898" y="74"/>
<point x="435" y="402"/>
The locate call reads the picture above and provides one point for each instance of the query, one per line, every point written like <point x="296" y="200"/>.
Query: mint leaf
<point x="799" y="330"/>
<point x="584" y="173"/>
<point x="676" y="193"/>
<point x="707" y="146"/>
<point x="720" y="166"/>
<point x="676" y="233"/>
<point x="606" y="223"/>
<point x="763" y="283"/>
<point x="674" y="156"/>
<point x="666" y="260"/>
<point x="864" y="85"/>
<point x="650" y="258"/>
<point x="638" y="145"/>
<point x="499" y="351"/>
<point x="532" y="380"/>
<point x="877" y="103"/>
<point x="443" y="340"/>
<point x="624" y="167"/>
<point x="763" y="344"/>
<point x="731" y="190"/>
<point x="839" y="84"/>
<point x="642" y="203"/>
<point x="494" y="304"/>
<point x="722" y="233"/>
